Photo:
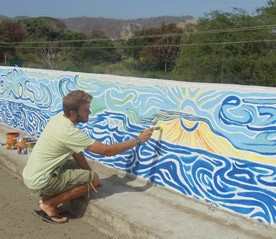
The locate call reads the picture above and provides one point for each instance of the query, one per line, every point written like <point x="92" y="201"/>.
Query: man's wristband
<point x="138" y="141"/>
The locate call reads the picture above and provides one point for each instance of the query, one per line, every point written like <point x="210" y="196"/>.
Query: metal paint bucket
<point x="30" y="144"/>
<point x="11" y="138"/>
<point x="22" y="145"/>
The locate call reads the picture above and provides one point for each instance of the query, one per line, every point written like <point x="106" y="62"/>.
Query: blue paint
<point x="246" y="120"/>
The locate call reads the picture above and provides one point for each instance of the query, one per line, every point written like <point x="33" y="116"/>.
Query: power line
<point x="215" y="31"/>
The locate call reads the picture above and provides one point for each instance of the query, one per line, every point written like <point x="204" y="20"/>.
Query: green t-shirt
<point x="59" y="140"/>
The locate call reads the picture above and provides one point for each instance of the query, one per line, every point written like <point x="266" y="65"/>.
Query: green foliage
<point x="50" y="45"/>
<point x="222" y="47"/>
<point x="267" y="15"/>
<point x="100" y="50"/>
<point x="44" y="28"/>
<point x="156" y="48"/>
<point x="229" y="48"/>
<point x="11" y="32"/>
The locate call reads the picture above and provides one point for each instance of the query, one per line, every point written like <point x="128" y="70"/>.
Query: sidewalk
<point x="19" y="221"/>
<point x="130" y="207"/>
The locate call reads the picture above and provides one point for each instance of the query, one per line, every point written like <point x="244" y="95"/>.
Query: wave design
<point x="256" y="122"/>
<point x="237" y="185"/>
<point x="217" y="146"/>
<point x="35" y="91"/>
<point x="24" y="118"/>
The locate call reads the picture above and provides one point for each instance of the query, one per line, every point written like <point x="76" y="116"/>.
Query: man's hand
<point x="145" y="135"/>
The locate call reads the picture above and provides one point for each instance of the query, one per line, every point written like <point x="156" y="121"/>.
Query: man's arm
<point x="81" y="161"/>
<point x="113" y="149"/>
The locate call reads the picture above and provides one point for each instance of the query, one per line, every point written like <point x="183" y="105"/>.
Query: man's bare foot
<point x="52" y="212"/>
<point x="59" y="210"/>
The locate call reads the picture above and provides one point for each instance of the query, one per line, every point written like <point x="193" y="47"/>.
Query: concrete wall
<point x="217" y="143"/>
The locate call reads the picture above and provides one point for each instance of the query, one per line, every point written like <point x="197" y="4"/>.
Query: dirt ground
<point x="18" y="219"/>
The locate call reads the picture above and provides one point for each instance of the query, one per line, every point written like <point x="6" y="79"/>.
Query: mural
<point x="216" y="143"/>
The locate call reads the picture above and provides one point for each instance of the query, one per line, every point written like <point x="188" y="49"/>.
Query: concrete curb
<point x="130" y="207"/>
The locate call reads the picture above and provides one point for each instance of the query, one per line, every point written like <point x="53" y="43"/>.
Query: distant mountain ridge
<point x="120" y="28"/>
<point x="116" y="28"/>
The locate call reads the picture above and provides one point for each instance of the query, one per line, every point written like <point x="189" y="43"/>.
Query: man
<point x="50" y="175"/>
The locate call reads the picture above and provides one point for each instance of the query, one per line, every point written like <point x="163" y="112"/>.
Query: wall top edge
<point x="148" y="81"/>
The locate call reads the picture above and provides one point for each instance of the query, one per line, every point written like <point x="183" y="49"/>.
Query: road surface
<point x="18" y="220"/>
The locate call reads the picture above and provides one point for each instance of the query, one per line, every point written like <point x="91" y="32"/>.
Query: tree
<point x="42" y="46"/>
<point x="156" y="48"/>
<point x="49" y="44"/>
<point x="98" y="49"/>
<point x="267" y="15"/>
<point x="11" y="32"/>
<point x="44" y="28"/>
<point x="228" y="48"/>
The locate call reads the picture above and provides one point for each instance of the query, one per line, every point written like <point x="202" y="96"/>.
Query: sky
<point x="123" y="9"/>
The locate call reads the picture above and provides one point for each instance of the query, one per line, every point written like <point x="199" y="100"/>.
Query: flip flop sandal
<point x="47" y="218"/>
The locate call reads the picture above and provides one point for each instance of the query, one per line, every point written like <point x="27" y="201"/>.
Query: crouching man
<point x="48" y="172"/>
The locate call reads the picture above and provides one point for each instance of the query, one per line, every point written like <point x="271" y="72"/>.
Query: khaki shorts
<point x="65" y="178"/>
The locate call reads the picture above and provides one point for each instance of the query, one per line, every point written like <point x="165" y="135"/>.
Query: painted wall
<point x="217" y="143"/>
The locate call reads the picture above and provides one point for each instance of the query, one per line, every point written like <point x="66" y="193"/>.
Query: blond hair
<point x="74" y="100"/>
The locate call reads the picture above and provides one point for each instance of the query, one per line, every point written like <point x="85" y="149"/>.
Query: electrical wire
<point x="187" y="33"/>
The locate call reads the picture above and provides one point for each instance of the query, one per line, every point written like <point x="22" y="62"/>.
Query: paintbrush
<point x="154" y="128"/>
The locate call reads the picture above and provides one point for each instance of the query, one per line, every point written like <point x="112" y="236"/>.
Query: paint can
<point x="22" y="145"/>
<point x="30" y="144"/>
<point x="11" y="139"/>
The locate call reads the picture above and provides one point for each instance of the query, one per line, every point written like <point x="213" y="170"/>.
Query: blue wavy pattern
<point x="28" y="99"/>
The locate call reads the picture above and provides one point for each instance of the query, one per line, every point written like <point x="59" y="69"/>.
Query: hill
<point x="115" y="28"/>
<point x="118" y="28"/>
